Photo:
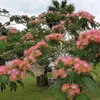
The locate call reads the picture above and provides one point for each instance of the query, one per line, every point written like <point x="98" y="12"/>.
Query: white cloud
<point x="35" y="7"/>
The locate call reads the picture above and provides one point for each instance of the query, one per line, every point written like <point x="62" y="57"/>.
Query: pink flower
<point x="74" y="86"/>
<point x="13" y="30"/>
<point x="71" y="92"/>
<point x="3" y="70"/>
<point x="77" y="91"/>
<point x="22" y="75"/>
<point x="9" y="72"/>
<point x="87" y="37"/>
<point x="56" y="37"/>
<point x="58" y="28"/>
<point x="34" y="22"/>
<point x="41" y="15"/>
<point x="3" y="38"/>
<point x="41" y="44"/>
<point x="55" y="73"/>
<point x="81" y="67"/>
<point x="28" y="36"/>
<point x="50" y="12"/>
<point x="65" y="87"/>
<point x="85" y="15"/>
<point x="13" y="78"/>
<point x="76" y="64"/>
<point x="29" y="51"/>
<point x="31" y="59"/>
<point x="68" y="61"/>
<point x="62" y="73"/>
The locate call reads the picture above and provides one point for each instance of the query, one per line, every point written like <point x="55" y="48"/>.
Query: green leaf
<point x="91" y="85"/>
<point x="56" y="87"/>
<point x="20" y="82"/>
<point x="82" y="96"/>
<point x="3" y="82"/>
<point x="4" y="79"/>
<point x="13" y="86"/>
<point x="30" y="73"/>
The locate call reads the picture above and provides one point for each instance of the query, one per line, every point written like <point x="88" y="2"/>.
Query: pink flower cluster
<point x="87" y="37"/>
<point x="13" y="30"/>
<point x="15" y="70"/>
<point x="85" y="15"/>
<point x="15" y="74"/>
<point x="33" y="52"/>
<point x="3" y="38"/>
<point x="59" y="73"/>
<point x="58" y="28"/>
<point x="20" y="64"/>
<point x="50" y="12"/>
<point x="71" y="90"/>
<point x="28" y="36"/>
<point x="79" y="66"/>
<point x="41" y="15"/>
<point x="57" y="37"/>
<point x="3" y="70"/>
<point x="33" y="22"/>
<point x="41" y="18"/>
<point x="41" y="44"/>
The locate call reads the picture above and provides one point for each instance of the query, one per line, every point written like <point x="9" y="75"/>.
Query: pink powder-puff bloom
<point x="34" y="22"/>
<point x="71" y="92"/>
<point x="56" y="37"/>
<point x="41" y="44"/>
<point x="36" y="53"/>
<point x="3" y="70"/>
<point x="68" y="61"/>
<point x="81" y="66"/>
<point x="28" y="36"/>
<point x="85" y="38"/>
<point x="55" y="73"/>
<point x="65" y="88"/>
<point x="27" y="52"/>
<point x="58" y="28"/>
<point x="77" y="91"/>
<point x="3" y="38"/>
<point x="50" y="12"/>
<point x="62" y="73"/>
<point x="85" y="15"/>
<point x="12" y="77"/>
<point x="74" y="86"/>
<point x="13" y="30"/>
<point x="22" y="75"/>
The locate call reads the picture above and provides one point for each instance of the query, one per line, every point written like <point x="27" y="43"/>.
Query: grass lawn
<point x="32" y="92"/>
<point x="29" y="92"/>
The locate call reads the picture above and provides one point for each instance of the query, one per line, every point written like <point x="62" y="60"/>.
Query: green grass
<point x="32" y="92"/>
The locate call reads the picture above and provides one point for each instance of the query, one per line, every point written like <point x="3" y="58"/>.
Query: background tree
<point x="36" y="44"/>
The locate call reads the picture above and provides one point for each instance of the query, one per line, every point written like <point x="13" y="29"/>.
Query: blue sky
<point x="35" y="7"/>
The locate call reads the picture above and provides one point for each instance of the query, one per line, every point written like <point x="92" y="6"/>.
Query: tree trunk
<point x="42" y="81"/>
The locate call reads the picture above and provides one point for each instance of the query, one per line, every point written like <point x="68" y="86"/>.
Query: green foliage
<point x="29" y="72"/>
<point x="15" y="46"/>
<point x="82" y="96"/>
<point x="91" y="85"/>
<point x="56" y="87"/>
<point x="13" y="85"/>
<point x="63" y="3"/>
<point x="3" y="82"/>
